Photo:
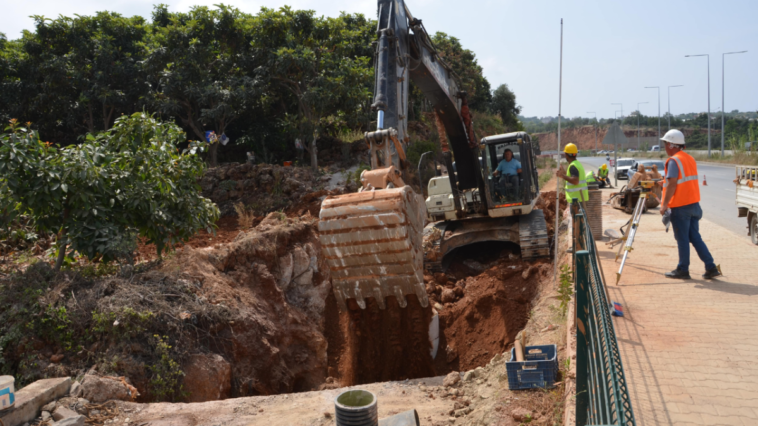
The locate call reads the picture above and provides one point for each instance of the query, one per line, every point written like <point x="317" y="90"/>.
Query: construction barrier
<point x="602" y="397"/>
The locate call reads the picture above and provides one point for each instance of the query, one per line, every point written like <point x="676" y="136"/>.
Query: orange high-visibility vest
<point x="687" y="189"/>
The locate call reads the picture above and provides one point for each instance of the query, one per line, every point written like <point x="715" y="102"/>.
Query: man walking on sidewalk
<point x="681" y="194"/>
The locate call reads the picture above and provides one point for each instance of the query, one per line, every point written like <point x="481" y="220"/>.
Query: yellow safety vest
<point x="578" y="191"/>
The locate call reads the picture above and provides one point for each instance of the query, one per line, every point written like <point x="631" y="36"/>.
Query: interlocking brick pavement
<point x="689" y="348"/>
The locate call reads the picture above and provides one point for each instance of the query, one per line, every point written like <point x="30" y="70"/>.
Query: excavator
<point x="379" y="241"/>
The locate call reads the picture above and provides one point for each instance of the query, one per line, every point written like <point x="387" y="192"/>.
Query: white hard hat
<point x="674" y="136"/>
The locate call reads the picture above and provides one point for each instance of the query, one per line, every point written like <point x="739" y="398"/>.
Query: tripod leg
<point x="632" y="232"/>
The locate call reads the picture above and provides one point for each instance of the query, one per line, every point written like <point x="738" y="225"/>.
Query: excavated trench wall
<point x="287" y="334"/>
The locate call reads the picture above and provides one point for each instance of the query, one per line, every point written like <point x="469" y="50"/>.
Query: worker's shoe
<point x="678" y="274"/>
<point x="712" y="273"/>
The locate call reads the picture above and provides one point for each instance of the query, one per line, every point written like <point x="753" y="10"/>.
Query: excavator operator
<point x="508" y="170"/>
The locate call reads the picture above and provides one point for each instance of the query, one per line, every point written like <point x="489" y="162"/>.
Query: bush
<point x="100" y="195"/>
<point x="416" y="149"/>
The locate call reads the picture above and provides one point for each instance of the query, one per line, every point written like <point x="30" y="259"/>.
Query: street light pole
<point x="638" y="122"/>
<point x="659" y="113"/>
<point x="708" y="58"/>
<point x="668" y="98"/>
<point x="595" y="126"/>
<point x="722" y="98"/>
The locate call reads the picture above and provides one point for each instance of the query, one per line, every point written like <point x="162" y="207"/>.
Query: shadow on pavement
<point x="727" y="287"/>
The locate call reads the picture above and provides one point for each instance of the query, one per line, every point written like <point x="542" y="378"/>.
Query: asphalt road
<point x="717" y="198"/>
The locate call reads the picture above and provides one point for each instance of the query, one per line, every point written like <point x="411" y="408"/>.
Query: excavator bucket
<point x="372" y="241"/>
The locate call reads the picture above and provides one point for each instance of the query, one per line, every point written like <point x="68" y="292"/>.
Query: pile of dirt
<point x="492" y="301"/>
<point x="546" y="202"/>
<point x="243" y="318"/>
<point x="262" y="188"/>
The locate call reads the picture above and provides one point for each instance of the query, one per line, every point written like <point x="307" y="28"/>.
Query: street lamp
<point x="722" y="97"/>
<point x="668" y="98"/>
<point x="708" y="57"/>
<point x="622" y="110"/>
<point x="659" y="113"/>
<point x="638" y="122"/>
<point x="593" y="112"/>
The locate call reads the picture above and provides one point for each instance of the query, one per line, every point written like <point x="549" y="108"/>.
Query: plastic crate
<point x="538" y="370"/>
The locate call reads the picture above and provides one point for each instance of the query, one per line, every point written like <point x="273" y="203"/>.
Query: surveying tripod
<point x="646" y="191"/>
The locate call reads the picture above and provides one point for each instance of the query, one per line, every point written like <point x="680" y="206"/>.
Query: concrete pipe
<point x="356" y="408"/>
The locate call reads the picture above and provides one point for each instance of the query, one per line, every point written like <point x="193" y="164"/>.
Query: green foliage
<point x="464" y="64"/>
<point x="418" y="148"/>
<point x="124" y="323"/>
<point x="565" y="288"/>
<point x="98" y="196"/>
<point x="504" y="104"/>
<point x="165" y="383"/>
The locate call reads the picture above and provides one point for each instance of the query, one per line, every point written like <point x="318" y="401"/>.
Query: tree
<point x="81" y="73"/>
<point x="504" y="104"/>
<point x="98" y="196"/>
<point x="464" y="64"/>
<point x="202" y="68"/>
<point x="313" y="63"/>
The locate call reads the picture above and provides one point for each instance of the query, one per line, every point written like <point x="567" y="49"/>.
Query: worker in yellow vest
<point x="681" y="194"/>
<point x="602" y="176"/>
<point x="575" y="177"/>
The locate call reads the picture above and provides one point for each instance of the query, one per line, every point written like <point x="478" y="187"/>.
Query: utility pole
<point x="668" y="98"/>
<point x="723" y="111"/>
<point x="595" y="126"/>
<point x="638" y="122"/>
<point x="659" y="113"/>
<point x="708" y="57"/>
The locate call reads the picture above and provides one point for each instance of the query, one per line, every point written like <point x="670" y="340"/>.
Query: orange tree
<point x="98" y="196"/>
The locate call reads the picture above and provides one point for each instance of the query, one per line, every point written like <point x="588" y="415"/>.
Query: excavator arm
<point x="372" y="239"/>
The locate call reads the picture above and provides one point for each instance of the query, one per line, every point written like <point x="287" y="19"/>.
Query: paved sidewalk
<point x="689" y="348"/>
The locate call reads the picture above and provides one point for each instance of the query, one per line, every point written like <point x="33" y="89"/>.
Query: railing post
<point x="582" y="287"/>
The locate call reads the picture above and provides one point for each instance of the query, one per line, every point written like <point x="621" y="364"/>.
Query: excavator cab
<point x="510" y="192"/>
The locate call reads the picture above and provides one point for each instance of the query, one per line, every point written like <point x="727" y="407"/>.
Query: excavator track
<point x="373" y="245"/>
<point x="528" y="231"/>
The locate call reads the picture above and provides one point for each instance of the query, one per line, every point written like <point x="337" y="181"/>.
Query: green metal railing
<point x="602" y="397"/>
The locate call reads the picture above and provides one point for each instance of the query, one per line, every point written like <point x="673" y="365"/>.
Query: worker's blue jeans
<point x="685" y="221"/>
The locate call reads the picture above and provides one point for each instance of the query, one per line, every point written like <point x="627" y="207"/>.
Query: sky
<point x="611" y="49"/>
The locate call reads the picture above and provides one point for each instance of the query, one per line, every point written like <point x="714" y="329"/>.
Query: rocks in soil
<point x="469" y="376"/>
<point x="448" y="296"/>
<point x="76" y="389"/>
<point x="101" y="389"/>
<point x="451" y="379"/>
<point x="207" y="377"/>
<point x="61" y="413"/>
<point x="49" y="407"/>
<point x="522" y="414"/>
<point x="71" y="421"/>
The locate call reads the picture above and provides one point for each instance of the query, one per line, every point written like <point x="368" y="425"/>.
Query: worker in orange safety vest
<point x="681" y="194"/>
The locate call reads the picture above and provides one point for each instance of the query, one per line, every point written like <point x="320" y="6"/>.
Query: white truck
<point x="747" y="198"/>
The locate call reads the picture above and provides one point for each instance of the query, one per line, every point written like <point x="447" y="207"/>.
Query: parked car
<point x="647" y="163"/>
<point x="622" y="166"/>
<point x="655" y="148"/>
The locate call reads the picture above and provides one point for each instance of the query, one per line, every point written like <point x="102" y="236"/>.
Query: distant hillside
<point x="584" y="137"/>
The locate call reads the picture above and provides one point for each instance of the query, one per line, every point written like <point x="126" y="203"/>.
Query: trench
<point x="493" y="289"/>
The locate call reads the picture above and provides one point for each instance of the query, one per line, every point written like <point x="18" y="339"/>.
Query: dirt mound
<point x="256" y="303"/>
<point x="584" y="137"/>
<point x="262" y="188"/>
<point x="546" y="202"/>
<point x="493" y="290"/>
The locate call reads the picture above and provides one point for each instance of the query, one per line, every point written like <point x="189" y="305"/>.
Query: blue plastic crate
<point x="537" y="371"/>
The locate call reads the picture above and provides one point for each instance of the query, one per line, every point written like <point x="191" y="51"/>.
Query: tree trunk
<point x="314" y="158"/>
<point x="61" y="251"/>
<point x="214" y="154"/>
